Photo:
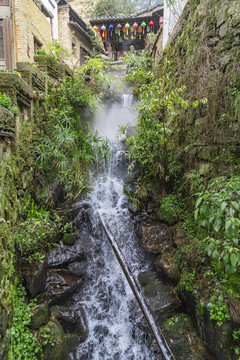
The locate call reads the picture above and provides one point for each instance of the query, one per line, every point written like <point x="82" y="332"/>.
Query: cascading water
<point x="117" y="327"/>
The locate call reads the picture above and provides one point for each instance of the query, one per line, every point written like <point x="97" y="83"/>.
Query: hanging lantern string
<point x="119" y="26"/>
<point x="111" y="28"/>
<point x="143" y="24"/>
<point x="135" y="25"/>
<point x="151" y="25"/>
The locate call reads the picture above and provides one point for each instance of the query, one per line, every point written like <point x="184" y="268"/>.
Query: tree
<point x="112" y="8"/>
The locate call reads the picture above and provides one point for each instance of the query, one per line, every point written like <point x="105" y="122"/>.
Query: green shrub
<point x="171" y="209"/>
<point x="6" y="102"/>
<point x="218" y="211"/>
<point x="24" y="344"/>
<point x="37" y="231"/>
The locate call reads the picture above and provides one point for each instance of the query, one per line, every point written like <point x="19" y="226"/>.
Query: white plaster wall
<point x="52" y="8"/>
<point x="171" y="15"/>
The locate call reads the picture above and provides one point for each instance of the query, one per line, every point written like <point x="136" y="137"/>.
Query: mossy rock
<point x="40" y="316"/>
<point x="72" y="341"/>
<point x="4" y="344"/>
<point x="7" y="120"/>
<point x="56" y="348"/>
<point x="146" y="277"/>
<point x="150" y="289"/>
<point x="69" y="239"/>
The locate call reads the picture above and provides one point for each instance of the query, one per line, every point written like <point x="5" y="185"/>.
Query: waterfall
<point x="117" y="327"/>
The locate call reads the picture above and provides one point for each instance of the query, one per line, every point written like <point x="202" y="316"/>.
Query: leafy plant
<point x="43" y="52"/>
<point x="187" y="281"/>
<point x="24" y="344"/>
<point x="66" y="148"/>
<point x="36" y="231"/>
<point x="218" y="210"/>
<point x="171" y="208"/>
<point x="152" y="147"/>
<point x="6" y="102"/>
<point x="236" y="338"/>
<point x="218" y="310"/>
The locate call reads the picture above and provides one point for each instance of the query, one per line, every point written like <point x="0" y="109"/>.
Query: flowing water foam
<point x="117" y="328"/>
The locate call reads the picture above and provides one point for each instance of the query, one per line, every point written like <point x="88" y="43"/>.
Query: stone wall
<point x="17" y="134"/>
<point x="69" y="35"/>
<point x="203" y="55"/>
<point x="30" y="23"/>
<point x="84" y="8"/>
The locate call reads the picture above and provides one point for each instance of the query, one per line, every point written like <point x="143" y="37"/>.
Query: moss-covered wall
<point x="26" y="88"/>
<point x="204" y="55"/>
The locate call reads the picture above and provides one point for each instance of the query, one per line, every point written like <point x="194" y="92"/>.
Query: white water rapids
<point x="117" y="327"/>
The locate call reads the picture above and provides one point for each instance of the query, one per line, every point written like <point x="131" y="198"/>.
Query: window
<point x="37" y="44"/>
<point x="74" y="47"/>
<point x="1" y="41"/>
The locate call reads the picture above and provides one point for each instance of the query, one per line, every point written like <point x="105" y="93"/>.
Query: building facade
<point x="6" y="35"/>
<point x="73" y="34"/>
<point x="172" y="12"/>
<point x="35" y="26"/>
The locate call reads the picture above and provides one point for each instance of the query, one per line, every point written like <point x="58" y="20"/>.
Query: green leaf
<point x="234" y="259"/>
<point x="223" y="205"/>
<point x="236" y="241"/>
<point x="217" y="225"/>
<point x="215" y="255"/>
<point x="205" y="196"/>
<point x="198" y="201"/>
<point x="235" y="205"/>
<point x="228" y="224"/>
<point x="196" y="214"/>
<point x="226" y="259"/>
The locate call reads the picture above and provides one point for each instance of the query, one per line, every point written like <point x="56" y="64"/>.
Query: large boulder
<point x="72" y="321"/>
<point x="156" y="237"/>
<point x="36" y="278"/>
<point x="60" y="285"/>
<point x="53" y="341"/>
<point x="63" y="255"/>
<point x="40" y="316"/>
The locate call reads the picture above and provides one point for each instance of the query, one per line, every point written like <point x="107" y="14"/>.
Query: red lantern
<point x="161" y="20"/>
<point x="151" y="25"/>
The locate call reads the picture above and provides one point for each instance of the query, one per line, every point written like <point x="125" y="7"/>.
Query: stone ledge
<point x="7" y="120"/>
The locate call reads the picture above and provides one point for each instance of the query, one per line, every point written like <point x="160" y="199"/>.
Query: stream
<point x="117" y="328"/>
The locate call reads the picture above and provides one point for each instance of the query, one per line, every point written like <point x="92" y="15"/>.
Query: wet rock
<point x="179" y="236"/>
<point x="183" y="339"/>
<point x="156" y="237"/>
<point x="218" y="339"/>
<point x="146" y="277"/>
<point x="69" y="239"/>
<point x="72" y="341"/>
<point x="101" y="332"/>
<point x="63" y="255"/>
<point x="4" y="346"/>
<point x="40" y="316"/>
<point x="3" y="324"/>
<point x="150" y="289"/>
<point x="36" y="278"/>
<point x="60" y="284"/>
<point x="56" y="348"/>
<point x="78" y="268"/>
<point x="165" y="300"/>
<point x="166" y="263"/>
<point x="72" y="321"/>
